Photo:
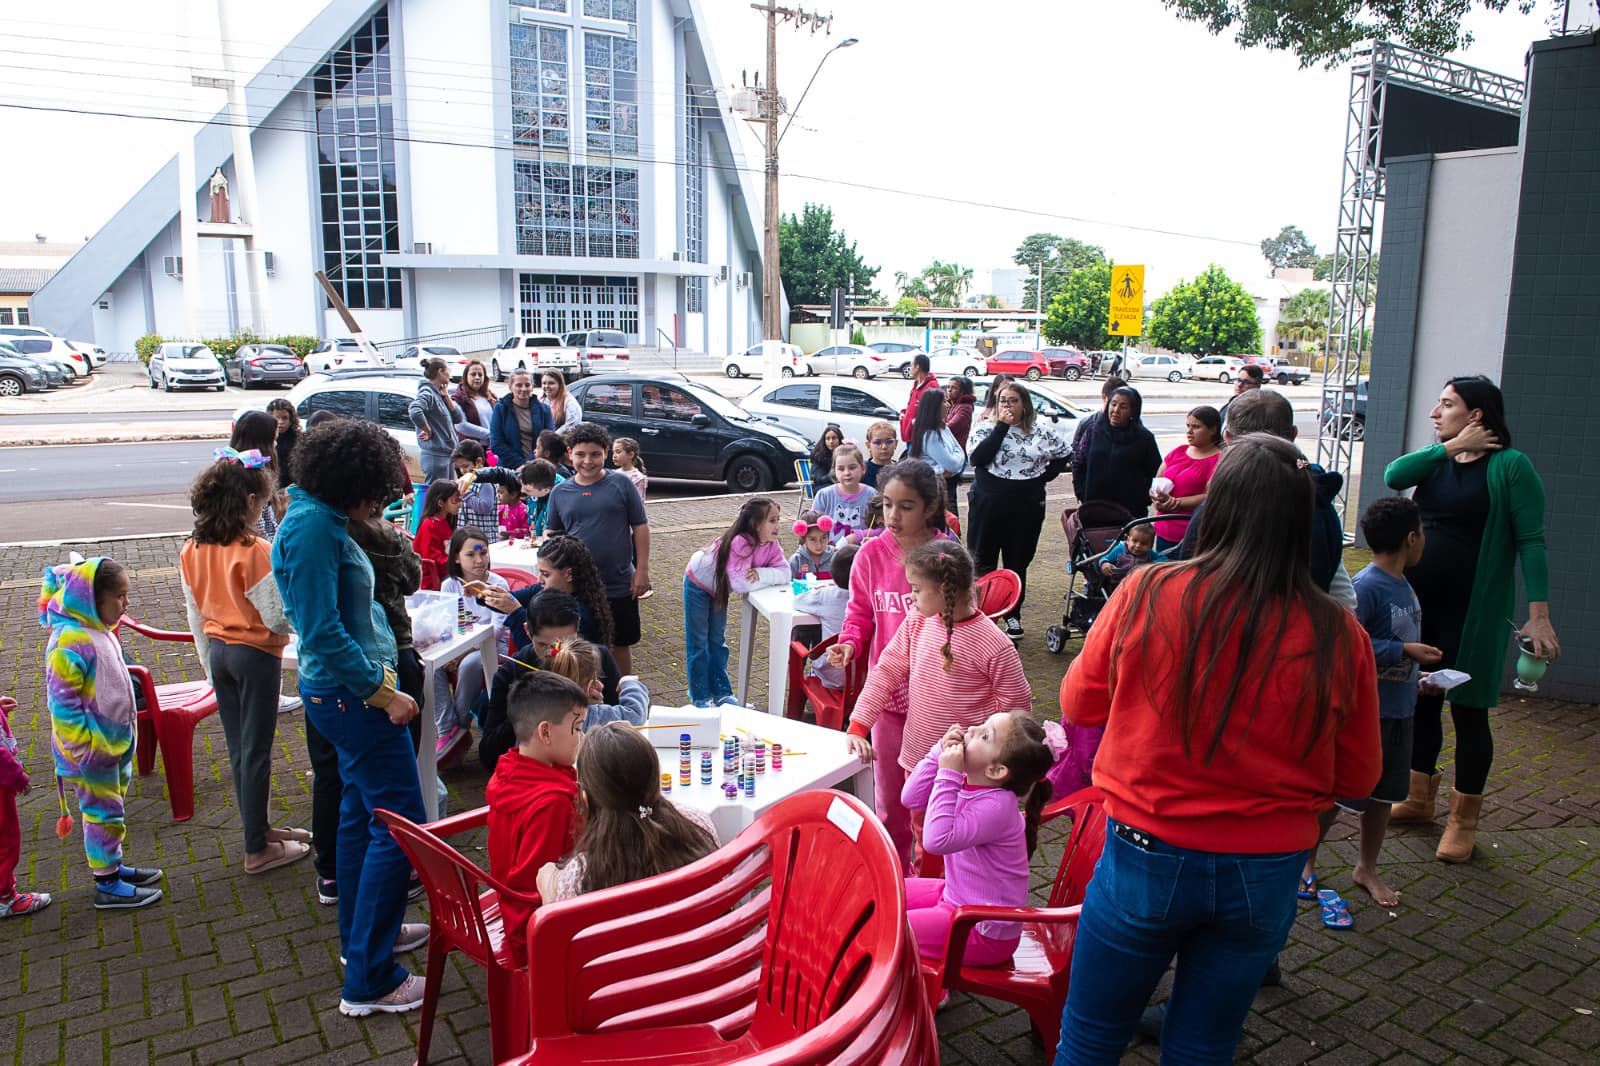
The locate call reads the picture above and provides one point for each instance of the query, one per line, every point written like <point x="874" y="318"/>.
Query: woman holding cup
<point x="1483" y="512"/>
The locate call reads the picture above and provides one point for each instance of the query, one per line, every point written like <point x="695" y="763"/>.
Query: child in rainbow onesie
<point x="92" y="719"/>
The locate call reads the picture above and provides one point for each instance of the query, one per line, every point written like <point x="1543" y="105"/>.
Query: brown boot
<point x="1422" y="803"/>
<point x="1462" y="828"/>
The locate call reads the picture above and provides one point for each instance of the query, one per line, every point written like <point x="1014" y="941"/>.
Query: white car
<point x="750" y="363"/>
<point x="412" y="357"/>
<point x="1223" y="368"/>
<point x="177" y="365"/>
<point x="342" y="354"/>
<point x="534" y="352"/>
<point x="1171" y="367"/>
<point x="73" y="363"/>
<point x="96" y="354"/>
<point x="381" y="396"/>
<point x="809" y="406"/>
<point x="855" y="360"/>
<point x="958" y="362"/>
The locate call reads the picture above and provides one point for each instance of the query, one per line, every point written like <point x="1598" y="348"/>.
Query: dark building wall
<point x="1551" y="371"/>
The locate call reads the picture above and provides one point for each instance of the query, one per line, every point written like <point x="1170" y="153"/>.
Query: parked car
<point x="411" y="358"/>
<point x="1047" y="405"/>
<point x="1223" y="368"/>
<point x="809" y="406"/>
<point x="382" y="396"/>
<point x="263" y="364"/>
<point x="688" y="431"/>
<point x="1019" y="362"/>
<point x="751" y="363"/>
<point x="342" y="354"/>
<point x="96" y="354"/>
<point x="1066" y="363"/>
<point x="54" y="376"/>
<point x="852" y="359"/>
<point x="533" y="352"/>
<point x="958" y="362"/>
<point x="73" y="363"/>
<point x="599" y="350"/>
<point x="1353" y="410"/>
<point x="898" y="353"/>
<point x="1100" y="362"/>
<point x="1171" y="367"/>
<point x="24" y="331"/>
<point x="180" y="365"/>
<point x="19" y="374"/>
<point x="1279" y="369"/>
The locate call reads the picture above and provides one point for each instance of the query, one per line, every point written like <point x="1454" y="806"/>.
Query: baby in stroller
<point x="1095" y="531"/>
<point x="1137" y="547"/>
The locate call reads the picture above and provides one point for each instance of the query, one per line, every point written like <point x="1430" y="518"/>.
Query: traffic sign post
<point x="1127" y="300"/>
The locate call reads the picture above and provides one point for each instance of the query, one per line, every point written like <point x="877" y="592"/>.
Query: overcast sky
<point x="950" y="132"/>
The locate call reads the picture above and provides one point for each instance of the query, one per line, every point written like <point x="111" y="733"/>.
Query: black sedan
<point x="263" y="364"/>
<point x="687" y="431"/>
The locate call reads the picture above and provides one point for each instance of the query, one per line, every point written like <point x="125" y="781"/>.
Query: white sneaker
<point x="287" y="704"/>
<point x="406" y="997"/>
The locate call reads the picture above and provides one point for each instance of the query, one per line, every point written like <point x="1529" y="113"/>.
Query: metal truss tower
<point x="1375" y="68"/>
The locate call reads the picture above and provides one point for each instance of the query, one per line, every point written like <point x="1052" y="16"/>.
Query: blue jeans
<point x="705" y="645"/>
<point x="379" y="768"/>
<point x="1224" y="916"/>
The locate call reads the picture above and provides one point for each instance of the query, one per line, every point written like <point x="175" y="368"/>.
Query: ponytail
<point x="1028" y="759"/>
<point x="1032" y="807"/>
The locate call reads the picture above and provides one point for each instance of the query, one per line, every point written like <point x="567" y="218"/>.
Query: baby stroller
<point x="1092" y="530"/>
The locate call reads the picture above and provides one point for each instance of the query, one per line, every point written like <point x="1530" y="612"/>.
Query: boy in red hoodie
<point x="534" y="791"/>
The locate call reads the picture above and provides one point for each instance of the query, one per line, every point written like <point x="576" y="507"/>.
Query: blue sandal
<point x="1335" y="911"/>
<point x="1308" y="887"/>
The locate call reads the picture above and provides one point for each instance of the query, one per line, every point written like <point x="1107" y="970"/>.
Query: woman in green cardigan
<point x="1482" y="510"/>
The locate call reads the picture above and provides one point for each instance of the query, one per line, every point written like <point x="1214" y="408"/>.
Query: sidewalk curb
<point x="136" y="438"/>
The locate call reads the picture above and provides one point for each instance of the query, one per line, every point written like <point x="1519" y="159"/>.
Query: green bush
<point x="146" y="346"/>
<point x="858" y="337"/>
<point x="296" y="343"/>
<point x="224" y="347"/>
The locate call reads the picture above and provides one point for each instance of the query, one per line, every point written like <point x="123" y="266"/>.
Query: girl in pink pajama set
<point x="969" y="785"/>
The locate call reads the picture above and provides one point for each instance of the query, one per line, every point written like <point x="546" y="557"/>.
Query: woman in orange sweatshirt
<point x="1238" y="700"/>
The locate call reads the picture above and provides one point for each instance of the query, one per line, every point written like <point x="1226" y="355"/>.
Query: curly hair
<point x="280" y="404"/>
<point x="587" y="433"/>
<point x="1027" y="760"/>
<point x="946" y="562"/>
<point x="348" y="462"/>
<point x="572" y="554"/>
<point x="220" y="496"/>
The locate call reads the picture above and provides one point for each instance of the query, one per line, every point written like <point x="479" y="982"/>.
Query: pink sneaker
<point x="453" y="747"/>
<point x="406" y="997"/>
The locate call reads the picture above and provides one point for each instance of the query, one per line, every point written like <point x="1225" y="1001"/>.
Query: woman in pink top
<point x="969" y="785"/>
<point x="880" y="597"/>
<point x="1189" y="468"/>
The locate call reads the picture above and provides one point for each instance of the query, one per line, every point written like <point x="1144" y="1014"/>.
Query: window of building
<point x="609" y="400"/>
<point x="694" y="199"/>
<point x="540" y="100"/>
<point x="558" y="6"/>
<point x="559" y="303"/>
<point x="356" y="167"/>
<point x="611" y="93"/>
<point x="621" y="10"/>
<point x="5" y="316"/>
<point x="576" y="210"/>
<point x="22" y="316"/>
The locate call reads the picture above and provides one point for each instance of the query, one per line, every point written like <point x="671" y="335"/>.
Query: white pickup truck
<point x="535" y="352"/>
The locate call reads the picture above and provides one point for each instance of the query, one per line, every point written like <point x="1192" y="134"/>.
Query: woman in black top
<point x="1120" y="456"/>
<point x="822" y="455"/>
<point x="288" y="436"/>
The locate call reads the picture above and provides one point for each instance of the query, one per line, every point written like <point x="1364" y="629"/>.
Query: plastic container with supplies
<point x="433" y="617"/>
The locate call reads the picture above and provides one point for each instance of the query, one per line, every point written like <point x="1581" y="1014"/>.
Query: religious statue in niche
<point x="219" y="197"/>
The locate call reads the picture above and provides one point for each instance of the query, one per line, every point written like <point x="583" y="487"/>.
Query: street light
<point x="848" y="42"/>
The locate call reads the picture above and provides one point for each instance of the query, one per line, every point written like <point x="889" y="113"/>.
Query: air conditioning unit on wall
<point x="421" y="247"/>
<point x="172" y="266"/>
<point x="270" y="262"/>
<point x="745" y="279"/>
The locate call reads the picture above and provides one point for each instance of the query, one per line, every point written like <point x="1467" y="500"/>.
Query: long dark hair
<point x="991" y="402"/>
<point x="1028" y="759"/>
<point x="439" y="493"/>
<point x="928" y="419"/>
<point x="1481" y="394"/>
<point x="277" y="404"/>
<point x="463" y="536"/>
<point x="948" y="563"/>
<point x="747" y="523"/>
<point x="630" y="831"/>
<point x="1211" y="418"/>
<point x="258" y="430"/>
<point x="570" y="553"/>
<point x="821" y="453"/>
<point x="1261" y="493"/>
<point x="921" y="479"/>
<point x="219" y="496"/>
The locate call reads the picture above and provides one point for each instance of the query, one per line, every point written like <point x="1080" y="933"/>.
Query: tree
<point x="1079" y="314"/>
<point x="912" y="286"/>
<point x="945" y="283"/>
<point x="1058" y="256"/>
<point x="1289" y="248"/>
<point x="907" y="308"/>
<point x="815" y="258"/>
<point x="1305" y="317"/>
<point x="1211" y="315"/>
<point x="1326" y="31"/>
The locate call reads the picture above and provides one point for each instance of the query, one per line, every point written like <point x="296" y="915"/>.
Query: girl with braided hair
<point x="953" y="664"/>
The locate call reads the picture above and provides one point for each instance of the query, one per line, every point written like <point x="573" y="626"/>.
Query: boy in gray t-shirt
<point x="602" y="508"/>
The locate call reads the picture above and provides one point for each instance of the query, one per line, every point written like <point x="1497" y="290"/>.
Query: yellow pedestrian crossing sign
<point x="1127" y="300"/>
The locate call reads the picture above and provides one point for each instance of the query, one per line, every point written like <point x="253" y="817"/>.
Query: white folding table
<point x="434" y="658"/>
<point x="776" y="603"/>
<point x="814" y="758"/>
<point x="522" y="554"/>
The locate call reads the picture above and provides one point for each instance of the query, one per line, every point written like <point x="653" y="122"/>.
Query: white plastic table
<point x="434" y="657"/>
<point x="522" y="554"/>
<point x="776" y="603"/>
<point x="814" y="758"/>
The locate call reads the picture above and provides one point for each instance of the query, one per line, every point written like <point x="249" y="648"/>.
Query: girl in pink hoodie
<point x="880" y="599"/>
<point x="746" y="557"/>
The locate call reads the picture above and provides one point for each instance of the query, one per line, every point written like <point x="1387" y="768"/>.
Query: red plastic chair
<point x="998" y="592"/>
<point x="461" y="917"/>
<point x="1039" y="972"/>
<point x="750" y="955"/>
<point x="432" y="576"/>
<point x="516" y="578"/>
<point x="167" y="722"/>
<point x="832" y="705"/>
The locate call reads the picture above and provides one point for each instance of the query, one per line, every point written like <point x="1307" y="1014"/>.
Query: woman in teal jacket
<point x="1483" y="511"/>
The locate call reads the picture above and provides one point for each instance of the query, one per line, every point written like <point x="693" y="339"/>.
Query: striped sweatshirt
<point x="986" y="678"/>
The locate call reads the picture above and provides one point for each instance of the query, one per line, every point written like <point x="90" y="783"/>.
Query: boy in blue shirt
<point x="1388" y="609"/>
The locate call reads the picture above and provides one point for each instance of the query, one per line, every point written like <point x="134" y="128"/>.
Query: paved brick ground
<point x="1484" y="963"/>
